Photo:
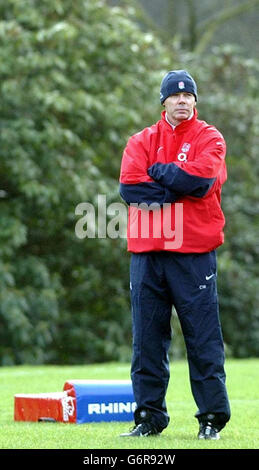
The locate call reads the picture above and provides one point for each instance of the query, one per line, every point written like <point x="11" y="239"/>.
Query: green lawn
<point x="242" y="432"/>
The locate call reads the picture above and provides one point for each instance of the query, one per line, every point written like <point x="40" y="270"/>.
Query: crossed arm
<point x="168" y="182"/>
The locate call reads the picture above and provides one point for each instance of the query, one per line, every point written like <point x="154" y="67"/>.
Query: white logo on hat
<point x="181" y="85"/>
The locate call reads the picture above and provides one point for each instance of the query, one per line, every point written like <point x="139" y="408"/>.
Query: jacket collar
<point x="183" y="126"/>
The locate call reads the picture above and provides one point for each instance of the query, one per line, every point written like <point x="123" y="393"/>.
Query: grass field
<point x="242" y="432"/>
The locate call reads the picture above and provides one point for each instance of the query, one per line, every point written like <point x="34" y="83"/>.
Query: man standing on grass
<point x="171" y="176"/>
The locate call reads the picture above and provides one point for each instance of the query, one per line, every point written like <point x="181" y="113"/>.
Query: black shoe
<point x="207" y="431"/>
<point x="141" y="430"/>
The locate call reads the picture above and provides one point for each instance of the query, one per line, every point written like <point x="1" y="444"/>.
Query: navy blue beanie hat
<point x="177" y="81"/>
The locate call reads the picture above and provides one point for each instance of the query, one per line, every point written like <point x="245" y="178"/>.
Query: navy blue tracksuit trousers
<point x="158" y="281"/>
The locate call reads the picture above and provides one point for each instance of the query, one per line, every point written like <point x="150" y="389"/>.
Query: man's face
<point x="179" y="107"/>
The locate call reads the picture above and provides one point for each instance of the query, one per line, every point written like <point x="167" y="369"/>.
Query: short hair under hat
<point x="177" y="81"/>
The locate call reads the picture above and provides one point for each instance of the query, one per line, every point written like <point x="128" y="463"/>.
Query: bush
<point x="72" y="76"/>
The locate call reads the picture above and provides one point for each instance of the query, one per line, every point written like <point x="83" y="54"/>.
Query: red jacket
<point x="177" y="176"/>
